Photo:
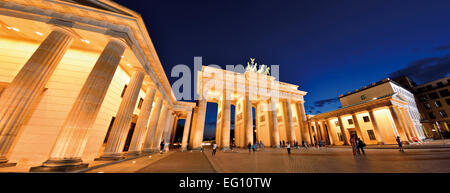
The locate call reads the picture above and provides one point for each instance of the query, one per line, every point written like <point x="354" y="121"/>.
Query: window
<point x="123" y="91"/>
<point x="350" y="121"/>
<point x="140" y="103"/>
<point x="430" y="87"/>
<point x="363" y="97"/>
<point x="444" y="93"/>
<point x="423" y="98"/>
<point x="448" y="101"/>
<point x="433" y="95"/>
<point x="366" y="119"/>
<point x="443" y="114"/>
<point x="371" y="134"/>
<point x="438" y="104"/>
<point x="427" y="106"/>
<point x="440" y="84"/>
<point x="431" y="115"/>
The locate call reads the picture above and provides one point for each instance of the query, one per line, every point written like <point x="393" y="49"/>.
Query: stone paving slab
<point x="332" y="160"/>
<point x="129" y="166"/>
<point x="181" y="162"/>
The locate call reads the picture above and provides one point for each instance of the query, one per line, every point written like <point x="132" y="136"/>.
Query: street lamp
<point x="439" y="130"/>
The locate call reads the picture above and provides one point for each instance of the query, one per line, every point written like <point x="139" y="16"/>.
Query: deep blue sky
<point x="327" y="47"/>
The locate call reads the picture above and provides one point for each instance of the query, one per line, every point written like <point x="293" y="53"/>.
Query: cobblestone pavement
<point x="181" y="162"/>
<point x="332" y="160"/>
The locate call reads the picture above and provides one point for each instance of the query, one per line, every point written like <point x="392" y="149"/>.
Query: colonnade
<point x="398" y="115"/>
<point x="155" y="119"/>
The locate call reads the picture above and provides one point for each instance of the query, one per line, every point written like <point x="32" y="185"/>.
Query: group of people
<point x="356" y="142"/>
<point x="357" y="145"/>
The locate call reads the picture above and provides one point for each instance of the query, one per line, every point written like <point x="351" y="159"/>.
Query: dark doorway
<point x="352" y="132"/>
<point x="254" y="124"/>
<point x="129" y="137"/>
<point x="109" y="130"/>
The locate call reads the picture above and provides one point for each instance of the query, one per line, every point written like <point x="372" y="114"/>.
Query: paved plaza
<point x="268" y="160"/>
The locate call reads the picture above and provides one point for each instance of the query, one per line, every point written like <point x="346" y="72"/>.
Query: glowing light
<point x="101" y="172"/>
<point x="13" y="28"/>
<point x="150" y="156"/>
<point x="129" y="65"/>
<point x="39" y="33"/>
<point x="86" y="41"/>
<point x="134" y="162"/>
<point x="121" y="56"/>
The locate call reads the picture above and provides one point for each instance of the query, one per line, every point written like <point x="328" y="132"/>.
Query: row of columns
<point x="29" y="83"/>
<point x="404" y="126"/>
<point x="225" y="109"/>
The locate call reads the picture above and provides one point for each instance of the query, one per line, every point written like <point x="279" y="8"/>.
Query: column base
<point x="276" y="146"/>
<point x="6" y="164"/>
<point x="134" y="153"/>
<point x="225" y="149"/>
<point x="110" y="157"/>
<point x="380" y="143"/>
<point x="65" y="165"/>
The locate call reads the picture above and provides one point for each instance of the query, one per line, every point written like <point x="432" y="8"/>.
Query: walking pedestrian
<point x="161" y="147"/>
<point x="399" y="142"/>
<point x="284" y="144"/>
<point x="353" y="143"/>
<point x="360" y="146"/>
<point x="305" y="145"/>
<point x="249" y="147"/>
<point x="214" y="149"/>
<point x="289" y="148"/>
<point x="254" y="148"/>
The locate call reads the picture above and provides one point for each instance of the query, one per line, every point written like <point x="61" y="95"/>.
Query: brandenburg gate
<point x="279" y="108"/>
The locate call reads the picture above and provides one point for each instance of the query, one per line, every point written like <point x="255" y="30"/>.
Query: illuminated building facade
<point x="79" y="80"/>
<point x="377" y="114"/>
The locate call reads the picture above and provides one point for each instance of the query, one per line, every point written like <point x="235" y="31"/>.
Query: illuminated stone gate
<point x="279" y="108"/>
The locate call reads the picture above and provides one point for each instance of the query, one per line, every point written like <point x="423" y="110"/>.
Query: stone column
<point x="197" y="136"/>
<point x="290" y="130"/>
<point x="154" y="120"/>
<point x="377" y="131"/>
<point x="398" y="124"/>
<point x="187" y="128"/>
<point x="193" y="128"/>
<point x="174" y="130"/>
<point x="344" y="135"/>
<point x="167" y="131"/>
<point x="160" y="128"/>
<point x="140" y="129"/>
<point x="300" y="119"/>
<point x="27" y="86"/>
<point x="308" y="128"/>
<point x="248" y="120"/>
<point x="326" y="132"/>
<point x="275" y="136"/>
<point x="357" y="127"/>
<point x="226" y="119"/>
<point x="305" y="132"/>
<point x="68" y="149"/>
<point x="121" y="126"/>
<point x="333" y="133"/>
<point x="404" y="123"/>
<point x="410" y="122"/>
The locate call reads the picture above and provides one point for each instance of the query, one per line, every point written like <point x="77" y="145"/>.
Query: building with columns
<point x="377" y="114"/>
<point x="279" y="109"/>
<point x="79" y="81"/>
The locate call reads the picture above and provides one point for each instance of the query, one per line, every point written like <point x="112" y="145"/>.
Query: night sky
<point x="327" y="47"/>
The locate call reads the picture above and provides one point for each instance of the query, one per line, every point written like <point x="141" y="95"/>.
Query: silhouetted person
<point x="360" y="145"/>
<point x="284" y="144"/>
<point x="399" y="142"/>
<point x="214" y="149"/>
<point x="161" y="146"/>
<point x="288" y="148"/>
<point x="353" y="143"/>
<point x="249" y="148"/>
